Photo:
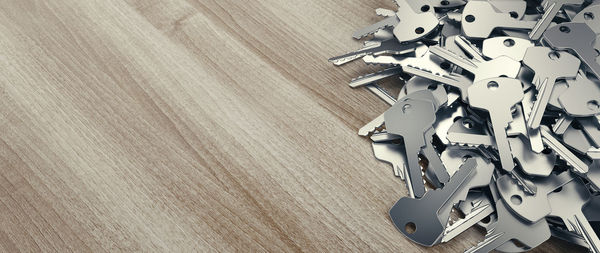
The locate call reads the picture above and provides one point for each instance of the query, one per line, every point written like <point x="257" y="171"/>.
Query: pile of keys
<point x="497" y="123"/>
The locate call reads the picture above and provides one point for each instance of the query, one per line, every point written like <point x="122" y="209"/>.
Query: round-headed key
<point x="498" y="96"/>
<point x="578" y="38"/>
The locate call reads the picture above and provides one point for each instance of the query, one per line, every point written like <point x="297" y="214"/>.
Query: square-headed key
<point x="414" y="20"/>
<point x="578" y="38"/>
<point x="498" y="96"/>
<point x="479" y="19"/>
<point x="549" y="66"/>
<point x="413" y="119"/>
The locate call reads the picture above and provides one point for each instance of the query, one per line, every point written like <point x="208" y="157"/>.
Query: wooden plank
<point x="190" y="125"/>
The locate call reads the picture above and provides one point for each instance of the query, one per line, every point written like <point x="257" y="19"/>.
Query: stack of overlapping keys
<point x="497" y="118"/>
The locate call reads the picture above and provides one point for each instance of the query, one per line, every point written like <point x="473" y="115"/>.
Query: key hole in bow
<point x="554" y="55"/>
<point x="516" y="199"/>
<point x="588" y="16"/>
<point x="493" y="85"/>
<point x="406" y="108"/>
<point x="470" y="18"/>
<point x="593" y="105"/>
<point x="410" y="228"/>
<point x="564" y="29"/>
<point x="509" y="42"/>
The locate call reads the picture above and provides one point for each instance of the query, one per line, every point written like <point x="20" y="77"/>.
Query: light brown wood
<point x="179" y="125"/>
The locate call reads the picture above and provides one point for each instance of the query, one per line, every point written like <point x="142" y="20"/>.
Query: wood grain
<point x="191" y="125"/>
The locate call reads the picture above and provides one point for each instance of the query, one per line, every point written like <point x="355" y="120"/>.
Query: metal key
<point x="531" y="207"/>
<point x="548" y="65"/>
<point x="408" y="212"/>
<point x="531" y="163"/>
<point x="481" y="69"/>
<point x="459" y="82"/>
<point x="391" y="46"/>
<point x="551" y="8"/>
<point x="497" y="96"/>
<point x="567" y="203"/>
<point x="578" y="38"/>
<point x="509" y="227"/>
<point x="479" y="19"/>
<point x="375" y="77"/>
<point x="412" y="21"/>
<point x="572" y="160"/>
<point x="392" y="153"/>
<point x="512" y="47"/>
<point x="591" y="16"/>
<point x="421" y="114"/>
<point x="581" y="98"/>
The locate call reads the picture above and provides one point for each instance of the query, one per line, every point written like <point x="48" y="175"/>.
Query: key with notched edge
<point x="421" y="114"/>
<point x="429" y="215"/>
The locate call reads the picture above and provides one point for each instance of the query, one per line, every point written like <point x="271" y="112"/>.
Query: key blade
<point x="375" y="77"/>
<point x="372" y="29"/>
<point x="544" y="22"/>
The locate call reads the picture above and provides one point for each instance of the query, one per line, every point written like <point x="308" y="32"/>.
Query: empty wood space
<point x="191" y="125"/>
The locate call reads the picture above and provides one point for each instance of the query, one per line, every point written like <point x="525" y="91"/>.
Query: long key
<point x="481" y="69"/>
<point x="568" y="204"/>
<point x="577" y="37"/>
<point x="551" y="8"/>
<point x="421" y="115"/>
<point x="509" y="227"/>
<point x="391" y="46"/>
<point x="412" y="21"/>
<point x="498" y="96"/>
<point x="408" y="212"/>
<point x="479" y="19"/>
<point x="548" y="65"/>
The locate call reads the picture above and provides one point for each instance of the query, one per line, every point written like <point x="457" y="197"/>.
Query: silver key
<point x="509" y="227"/>
<point x="375" y="77"/>
<point x="459" y="82"/>
<point x="548" y="65"/>
<point x="392" y="153"/>
<point x="413" y="21"/>
<point x="531" y="163"/>
<point x="408" y="212"/>
<point x="531" y="207"/>
<point x="391" y="46"/>
<point x="497" y="96"/>
<point x="567" y="203"/>
<point x="421" y="114"/>
<point x="572" y="160"/>
<point x="590" y="16"/>
<point x="479" y="19"/>
<point x="480" y="69"/>
<point x="512" y="47"/>
<point x="551" y="8"/>
<point x="466" y="131"/>
<point x="581" y="98"/>
<point x="578" y="38"/>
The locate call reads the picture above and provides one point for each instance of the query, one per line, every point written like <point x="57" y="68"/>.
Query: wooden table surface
<point x="179" y="125"/>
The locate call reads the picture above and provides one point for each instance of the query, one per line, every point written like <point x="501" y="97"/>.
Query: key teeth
<point x="372" y="32"/>
<point x="369" y="75"/>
